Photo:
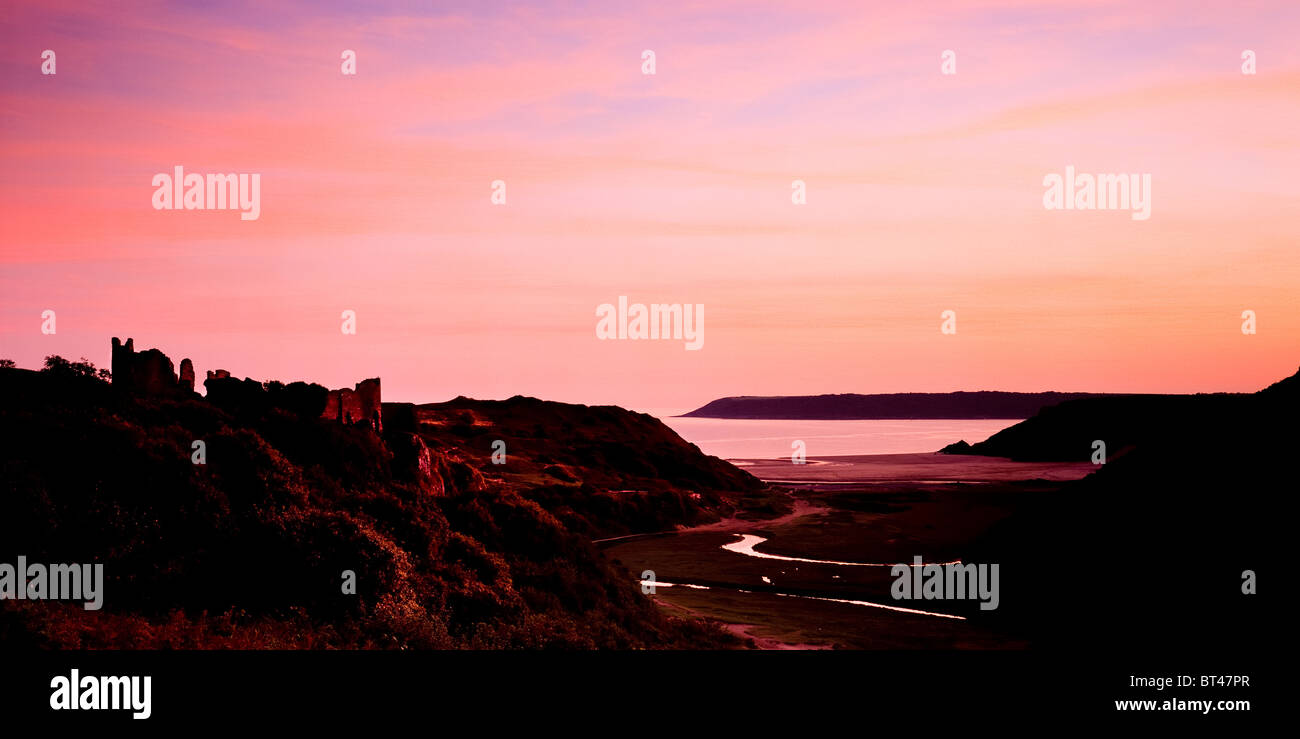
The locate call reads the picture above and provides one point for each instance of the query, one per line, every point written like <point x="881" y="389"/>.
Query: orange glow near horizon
<point x="924" y="194"/>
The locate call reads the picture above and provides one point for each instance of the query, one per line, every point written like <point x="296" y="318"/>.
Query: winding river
<point x="746" y="546"/>
<point x="748" y="541"/>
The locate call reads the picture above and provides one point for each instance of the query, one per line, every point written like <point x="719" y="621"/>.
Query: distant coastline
<point x="987" y="404"/>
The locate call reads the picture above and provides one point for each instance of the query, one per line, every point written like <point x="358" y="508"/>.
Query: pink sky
<point x="924" y="194"/>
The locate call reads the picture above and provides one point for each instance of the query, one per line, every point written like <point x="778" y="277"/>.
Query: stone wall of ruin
<point x="150" y="372"/>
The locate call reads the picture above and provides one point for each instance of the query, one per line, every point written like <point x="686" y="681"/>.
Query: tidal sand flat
<point x="928" y="467"/>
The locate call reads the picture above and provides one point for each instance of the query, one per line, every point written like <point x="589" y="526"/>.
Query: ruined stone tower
<point x="359" y="405"/>
<point x="149" y="372"/>
<point x="187" y="375"/>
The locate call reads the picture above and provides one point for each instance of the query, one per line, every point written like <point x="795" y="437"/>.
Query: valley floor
<point x="852" y="518"/>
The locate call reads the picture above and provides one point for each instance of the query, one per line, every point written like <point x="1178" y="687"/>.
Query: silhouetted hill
<point x="1066" y="432"/>
<point x="603" y="469"/>
<point x="249" y="549"/>
<point x="983" y="404"/>
<point x="1148" y="553"/>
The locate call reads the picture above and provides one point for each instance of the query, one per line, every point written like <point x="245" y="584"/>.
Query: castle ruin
<point x="151" y="372"/>
<point x="358" y="405"/>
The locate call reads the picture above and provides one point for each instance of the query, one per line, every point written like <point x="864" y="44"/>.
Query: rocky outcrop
<point x="437" y="472"/>
<point x="413" y="462"/>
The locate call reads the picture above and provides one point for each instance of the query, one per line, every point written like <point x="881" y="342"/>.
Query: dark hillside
<point x="248" y="550"/>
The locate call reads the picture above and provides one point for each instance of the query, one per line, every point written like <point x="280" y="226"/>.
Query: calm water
<point x="761" y="439"/>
